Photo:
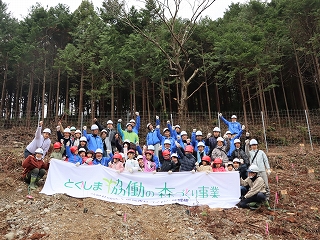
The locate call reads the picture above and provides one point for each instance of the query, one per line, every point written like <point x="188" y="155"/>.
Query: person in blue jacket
<point x="72" y="154"/>
<point x="152" y="136"/>
<point x="166" y="136"/>
<point x="99" y="159"/>
<point x="196" y="137"/>
<point x="135" y="123"/>
<point x="232" y="146"/>
<point x="234" y="127"/>
<point x="94" y="140"/>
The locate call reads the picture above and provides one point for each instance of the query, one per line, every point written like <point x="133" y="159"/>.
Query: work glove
<point x="84" y="128"/>
<point x="269" y="171"/>
<point x="169" y="172"/>
<point x="157" y="117"/>
<point x="247" y="134"/>
<point x="207" y="172"/>
<point x="130" y="170"/>
<point x="241" y="160"/>
<point x="160" y="147"/>
<point x="226" y="165"/>
<point x="168" y="122"/>
<point x="188" y="141"/>
<point x="77" y="164"/>
<point x="194" y="130"/>
<point x="108" y="151"/>
<point x="177" y="144"/>
<point x="225" y="136"/>
<point x="40" y="123"/>
<point x="209" y="135"/>
<point x="220" y="114"/>
<point x="89" y="160"/>
<point x="243" y="127"/>
<point x="119" y="120"/>
<point x="137" y="113"/>
<point x="247" y="141"/>
<point x="197" y="164"/>
<point x="193" y="171"/>
<point x="158" y="126"/>
<point x="95" y="120"/>
<point x="68" y="143"/>
<point x="154" y="172"/>
<point x="109" y="164"/>
<point x="178" y="137"/>
<point x="58" y="128"/>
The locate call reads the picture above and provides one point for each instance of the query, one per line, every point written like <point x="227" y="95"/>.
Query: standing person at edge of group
<point x="234" y="127"/>
<point x="40" y="141"/>
<point x="135" y="123"/>
<point x="128" y="133"/>
<point x="152" y="136"/>
<point x="259" y="158"/>
<point x="94" y="141"/>
<point x="211" y="140"/>
<point x="109" y="140"/>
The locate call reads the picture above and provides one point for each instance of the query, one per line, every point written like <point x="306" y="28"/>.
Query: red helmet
<point x="151" y="153"/>
<point x="118" y="156"/>
<point x="206" y="158"/>
<point x="73" y="149"/>
<point x="189" y="148"/>
<point x="217" y="160"/>
<point x="131" y="151"/>
<point x="57" y="145"/>
<point x="165" y="152"/>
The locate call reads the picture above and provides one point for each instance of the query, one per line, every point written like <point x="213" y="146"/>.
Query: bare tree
<point x="180" y="31"/>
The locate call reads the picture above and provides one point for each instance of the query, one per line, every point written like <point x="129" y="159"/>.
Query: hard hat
<point x="73" y="149"/>
<point x="109" y="122"/>
<point x="94" y="127"/>
<point x="228" y="132"/>
<point x="129" y="124"/>
<point x="104" y="130"/>
<point x="66" y="130"/>
<point x="149" y="152"/>
<point x="233" y="116"/>
<point x="237" y="140"/>
<point x="57" y="145"/>
<point x="174" y="155"/>
<point x="198" y="133"/>
<point x="132" y="121"/>
<point x="177" y="126"/>
<point x="230" y="163"/>
<point x="39" y="150"/>
<point x="148" y="125"/>
<point x="183" y="133"/>
<point x="98" y="150"/>
<point x="126" y="141"/>
<point x="77" y="131"/>
<point x="73" y="128"/>
<point x="236" y="160"/>
<point x="131" y="151"/>
<point x="253" y="168"/>
<point x="220" y="139"/>
<point x="217" y="160"/>
<point x="206" y="158"/>
<point x="201" y="144"/>
<point x="83" y="139"/>
<point x="139" y="157"/>
<point x="118" y="156"/>
<point x="165" y="129"/>
<point x="82" y="150"/>
<point x="253" y="142"/>
<point x="47" y="130"/>
<point x="188" y="148"/>
<point x="151" y="147"/>
<point x="216" y="129"/>
<point x="167" y="141"/>
<point x="165" y="152"/>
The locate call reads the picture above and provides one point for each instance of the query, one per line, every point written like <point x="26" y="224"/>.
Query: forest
<point x="260" y="56"/>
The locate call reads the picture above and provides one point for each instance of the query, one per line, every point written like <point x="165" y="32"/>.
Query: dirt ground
<point x="295" y="216"/>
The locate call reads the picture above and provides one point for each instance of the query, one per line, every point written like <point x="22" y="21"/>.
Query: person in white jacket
<point x="259" y="158"/>
<point x="40" y="141"/>
<point x="131" y="164"/>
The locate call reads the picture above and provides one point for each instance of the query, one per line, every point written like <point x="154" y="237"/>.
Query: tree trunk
<point x="163" y="96"/>
<point x="57" y="96"/>
<point x="206" y="83"/>
<point x="276" y="105"/>
<point x="217" y="95"/>
<point x="250" y="102"/>
<point x="93" y="102"/>
<point x="243" y="104"/>
<point x="5" y="78"/>
<point x="43" y="87"/>
<point x="285" y="98"/>
<point x="29" y="102"/>
<point x="148" y="101"/>
<point x="81" y="95"/>
<point x="112" y="95"/>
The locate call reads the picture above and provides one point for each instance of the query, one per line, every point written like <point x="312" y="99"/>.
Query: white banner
<point x="218" y="190"/>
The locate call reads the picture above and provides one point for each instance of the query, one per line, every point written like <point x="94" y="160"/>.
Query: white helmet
<point x="237" y="140"/>
<point x="94" y="127"/>
<point x="109" y="122"/>
<point x="201" y="144"/>
<point x="149" y="125"/>
<point x="253" y="142"/>
<point x="228" y="132"/>
<point x="98" y="150"/>
<point x="177" y="126"/>
<point x="220" y="139"/>
<point x="73" y="128"/>
<point x="47" y="130"/>
<point x="253" y="168"/>
<point x="216" y="129"/>
<point x="183" y="133"/>
<point x="39" y="150"/>
<point x="82" y="150"/>
<point x="66" y="130"/>
<point x="174" y="155"/>
<point x="198" y="133"/>
<point x="233" y="116"/>
<point x="151" y="147"/>
<point x="237" y="160"/>
<point x="139" y="157"/>
<point x="165" y="129"/>
<point x="129" y="124"/>
<point x="83" y="139"/>
<point x="167" y="141"/>
<point x="132" y="121"/>
<point x="126" y="141"/>
<point x="77" y="131"/>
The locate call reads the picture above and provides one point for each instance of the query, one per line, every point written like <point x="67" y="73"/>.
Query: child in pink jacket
<point x="217" y="165"/>
<point x="117" y="164"/>
<point x="149" y="164"/>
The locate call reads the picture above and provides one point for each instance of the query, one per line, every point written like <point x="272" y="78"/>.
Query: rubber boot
<point x="32" y="184"/>
<point x="253" y="205"/>
<point x="266" y="204"/>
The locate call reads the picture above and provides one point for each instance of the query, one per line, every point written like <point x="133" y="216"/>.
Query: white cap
<point x="233" y="116"/>
<point x="220" y="139"/>
<point x="126" y="141"/>
<point x="237" y="160"/>
<point x="139" y="157"/>
<point x="83" y="139"/>
<point x="132" y="121"/>
<point x="47" y="130"/>
<point x="73" y="128"/>
<point x="253" y="142"/>
<point x="77" y="131"/>
<point x="228" y="132"/>
<point x="198" y="133"/>
<point x="129" y="123"/>
<point x="149" y="125"/>
<point x="66" y="130"/>
<point x="167" y="141"/>
<point x="39" y="150"/>
<point x="216" y="129"/>
<point x="82" y="150"/>
<point x="177" y="126"/>
<point x="201" y="144"/>
<point x="237" y="140"/>
<point x="104" y="130"/>
<point x="151" y="147"/>
<point x="109" y="122"/>
<point x="165" y="129"/>
<point x="94" y="127"/>
<point x="174" y="155"/>
<point x="98" y="150"/>
<point x="183" y="133"/>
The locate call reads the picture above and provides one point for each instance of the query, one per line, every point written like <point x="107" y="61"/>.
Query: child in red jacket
<point x="34" y="168"/>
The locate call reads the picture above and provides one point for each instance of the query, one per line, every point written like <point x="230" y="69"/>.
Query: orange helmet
<point x="73" y="149"/>
<point x="206" y="158"/>
<point x="57" y="145"/>
<point x="217" y="160"/>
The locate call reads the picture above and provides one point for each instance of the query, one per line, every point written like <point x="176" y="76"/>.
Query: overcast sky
<point x="20" y="8"/>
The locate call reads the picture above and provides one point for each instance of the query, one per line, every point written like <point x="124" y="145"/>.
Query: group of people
<point x="170" y="150"/>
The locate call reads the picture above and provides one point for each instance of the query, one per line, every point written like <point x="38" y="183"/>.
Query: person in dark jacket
<point x="166" y="164"/>
<point x="211" y="140"/>
<point x="109" y="139"/>
<point x="187" y="159"/>
<point x="242" y="168"/>
<point x="240" y="153"/>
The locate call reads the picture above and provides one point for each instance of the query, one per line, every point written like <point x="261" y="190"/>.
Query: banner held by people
<point x="217" y="190"/>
